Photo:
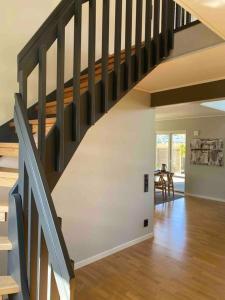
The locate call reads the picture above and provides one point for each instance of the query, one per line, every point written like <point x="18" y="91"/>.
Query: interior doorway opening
<point x="171" y="154"/>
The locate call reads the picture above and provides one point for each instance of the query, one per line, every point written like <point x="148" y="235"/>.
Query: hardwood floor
<point x="185" y="261"/>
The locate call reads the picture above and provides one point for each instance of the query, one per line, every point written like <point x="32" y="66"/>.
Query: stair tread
<point x="5" y="243"/>
<point x="8" y="177"/>
<point x="83" y="86"/>
<point x="9" y="171"/>
<point x="35" y="121"/>
<point x="68" y="97"/>
<point x="4" y="200"/>
<point x="48" y="125"/>
<point x="49" y="121"/>
<point x="66" y="100"/>
<point x="9" y="145"/>
<point x="98" y="68"/>
<point x="9" y="149"/>
<point x="8" y="286"/>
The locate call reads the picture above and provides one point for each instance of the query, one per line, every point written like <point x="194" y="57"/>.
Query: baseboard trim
<point x="109" y="252"/>
<point x="205" y="197"/>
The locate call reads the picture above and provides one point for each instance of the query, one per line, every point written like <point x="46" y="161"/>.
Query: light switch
<point x="146" y="183"/>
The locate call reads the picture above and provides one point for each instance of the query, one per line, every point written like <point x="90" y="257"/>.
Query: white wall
<point x="100" y="195"/>
<point x="204" y="181"/>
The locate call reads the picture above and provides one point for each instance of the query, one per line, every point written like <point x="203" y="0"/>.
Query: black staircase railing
<point x="183" y="18"/>
<point x="41" y="166"/>
<point x="44" y="249"/>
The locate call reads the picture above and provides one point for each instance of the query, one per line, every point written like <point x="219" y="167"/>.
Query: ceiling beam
<point x="198" y="92"/>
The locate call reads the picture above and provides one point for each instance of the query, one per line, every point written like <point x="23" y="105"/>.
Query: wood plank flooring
<point x="185" y="261"/>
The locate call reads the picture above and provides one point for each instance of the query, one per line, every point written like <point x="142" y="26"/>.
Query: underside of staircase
<point x="39" y="266"/>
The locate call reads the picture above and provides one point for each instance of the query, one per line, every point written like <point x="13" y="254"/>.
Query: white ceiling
<point x="185" y="111"/>
<point x="209" y="12"/>
<point x="197" y="67"/>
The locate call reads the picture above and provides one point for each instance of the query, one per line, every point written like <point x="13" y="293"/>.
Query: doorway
<point x="171" y="151"/>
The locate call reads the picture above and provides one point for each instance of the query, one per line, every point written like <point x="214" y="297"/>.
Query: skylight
<point x="218" y="105"/>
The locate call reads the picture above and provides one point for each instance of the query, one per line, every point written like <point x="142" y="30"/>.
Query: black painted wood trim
<point x="198" y="92"/>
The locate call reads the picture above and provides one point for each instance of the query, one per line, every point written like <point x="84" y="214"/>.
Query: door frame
<point x="170" y="132"/>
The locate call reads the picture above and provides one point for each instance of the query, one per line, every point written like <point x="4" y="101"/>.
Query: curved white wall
<point x="100" y="196"/>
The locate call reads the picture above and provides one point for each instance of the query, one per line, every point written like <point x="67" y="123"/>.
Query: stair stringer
<point x="70" y="147"/>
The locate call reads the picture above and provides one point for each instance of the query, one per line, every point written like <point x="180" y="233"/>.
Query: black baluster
<point x="171" y="9"/>
<point x="165" y="14"/>
<point x="183" y="17"/>
<point x="117" y="50"/>
<point x="42" y="102"/>
<point x="23" y="86"/>
<point x="156" y="31"/>
<point x="178" y="16"/>
<point x="188" y="17"/>
<point x="105" y="54"/>
<point x="128" y="40"/>
<point x="24" y="193"/>
<point x="60" y="95"/>
<point x="148" y="33"/>
<point x="138" y="38"/>
<point x="43" y="265"/>
<point x="76" y="71"/>
<point x="33" y="246"/>
<point x="91" y="61"/>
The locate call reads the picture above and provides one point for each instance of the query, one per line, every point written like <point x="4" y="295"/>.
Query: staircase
<point x="39" y="265"/>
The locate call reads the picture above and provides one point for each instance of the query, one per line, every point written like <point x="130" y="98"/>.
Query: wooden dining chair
<point x="169" y="183"/>
<point x="160" y="184"/>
